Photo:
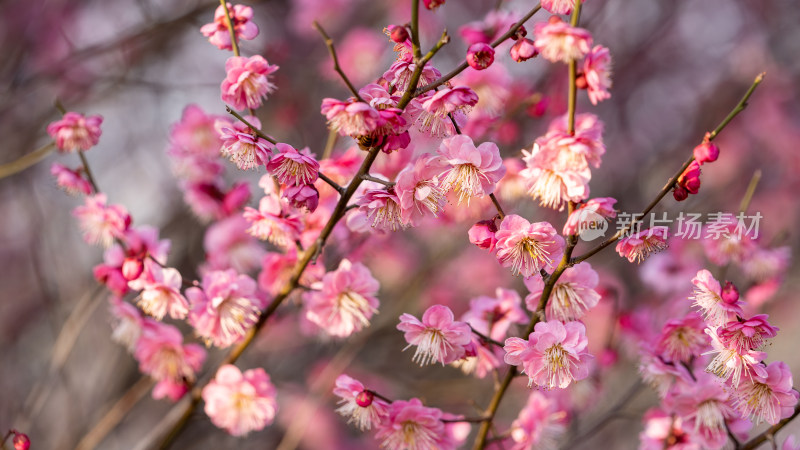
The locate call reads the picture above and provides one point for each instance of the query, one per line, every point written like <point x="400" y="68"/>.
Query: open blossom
<point x="572" y="295"/>
<point x="659" y="374"/>
<point x="71" y="181"/>
<point x="128" y="323"/>
<point x="293" y="167"/>
<point x="75" y="132"/>
<point x="704" y="408"/>
<point x="419" y="190"/>
<point x="399" y="73"/>
<point x="523" y="50"/>
<point x="302" y="196"/>
<point x="382" y="208"/>
<point x="583" y="146"/>
<point x="244" y="149"/>
<point x="271" y="223"/>
<point x="592" y="211"/>
<point x="480" y="56"/>
<point x="412" y="426"/>
<point x="101" y="223"/>
<point x="247" y="81"/>
<point x="553" y="179"/>
<point x="494" y="316"/>
<point x="553" y="356"/>
<point x="681" y="339"/>
<point x="732" y="361"/>
<point x="218" y="33"/>
<point x="527" y="247"/>
<point x="539" y="423"/>
<point x="351" y="118"/>
<point x="474" y="171"/>
<point x="161" y="292"/>
<point x="224" y="308"/>
<point x="438" y="337"/>
<point x="558" y="6"/>
<point x="358" y="404"/>
<point x="597" y="74"/>
<point x="437" y="105"/>
<point x="747" y="334"/>
<point x="637" y="246"/>
<point x="662" y="430"/>
<point x="557" y="40"/>
<point x="768" y="396"/>
<point x="162" y="354"/>
<point x="345" y="302"/>
<point x="240" y="402"/>
<point x="717" y="309"/>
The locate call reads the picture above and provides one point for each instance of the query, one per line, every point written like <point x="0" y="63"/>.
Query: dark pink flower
<point x="302" y="196"/>
<point x="293" y="167"/>
<point x="382" y="208"/>
<point x="706" y="152"/>
<point x="438" y="337"/>
<point x="527" y="247"/>
<point x="523" y="50"/>
<point x="247" y="81"/>
<point x="480" y="56"/>
<point x="74" y="132"/>
<point x="419" y="190"/>
<point x="482" y="234"/>
<point x="245" y="150"/>
<point x="71" y="181"/>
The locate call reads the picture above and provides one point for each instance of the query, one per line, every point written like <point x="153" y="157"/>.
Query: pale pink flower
<point x="553" y="356"/>
<point x="161" y="292"/>
<point x="726" y="240"/>
<point x="480" y="56"/>
<point x="662" y="430"/>
<point x="345" y="300"/>
<point x="218" y="33"/>
<point x="708" y="297"/>
<point x="765" y="264"/>
<point x="474" y="171"/>
<point x="597" y="73"/>
<point x="661" y="375"/>
<point x="539" y="423"/>
<point x="592" y="211"/>
<point x="101" y="223"/>
<point x="479" y="358"/>
<point x="637" y="246"/>
<point x="229" y="246"/>
<point x="162" y="354"/>
<point x="457" y="101"/>
<point x="75" y="132"/>
<point x="527" y="247"/>
<point x="358" y="404"/>
<point x="704" y="410"/>
<point x="247" y="81"/>
<point x="558" y="6"/>
<point x="572" y="296"/>
<point x="71" y="181"/>
<point x="419" y="190"/>
<point x="411" y="426"/>
<point x="557" y="40"/>
<point x="494" y="316"/>
<point x="399" y="74"/>
<point x="127" y="323"/>
<point x="351" y="118"/>
<point x="302" y="196"/>
<point x="224" y="308"/>
<point x="438" y="337"/>
<point x="768" y="396"/>
<point x="271" y="222"/>
<point x="277" y="268"/>
<point x="293" y="167"/>
<point x="196" y="135"/>
<point x="731" y="360"/>
<point x="682" y="339"/>
<point x="240" y="402"/>
<point x="382" y="208"/>
<point x="552" y="180"/>
<point x="244" y="149"/>
<point x="584" y="146"/>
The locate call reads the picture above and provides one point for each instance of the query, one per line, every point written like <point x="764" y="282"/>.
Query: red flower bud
<point x="480" y="56"/>
<point x="706" y="152"/>
<point x="364" y="398"/>
<point x="399" y="34"/>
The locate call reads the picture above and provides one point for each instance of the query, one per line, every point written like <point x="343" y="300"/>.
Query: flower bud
<point x="706" y="152"/>
<point x="580" y="82"/>
<point x="398" y="34"/>
<point x="364" y="398"/>
<point x="302" y="196"/>
<point x="730" y="294"/>
<point x="482" y="234"/>
<point x="523" y="50"/>
<point x="132" y="268"/>
<point x="21" y="441"/>
<point x="480" y="56"/>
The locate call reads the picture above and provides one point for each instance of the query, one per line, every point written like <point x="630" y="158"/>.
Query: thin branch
<point x="258" y="132"/>
<point x="751" y="189"/>
<point x="332" y="183"/>
<point x="23" y="162"/>
<point x="368" y="177"/>
<point x="88" y="171"/>
<point x="671" y="183"/>
<point x="336" y="66"/>
<point x="463" y="66"/>
<point x="770" y="432"/>
<point x="496" y="203"/>
<point x="231" y="30"/>
<point x="486" y="338"/>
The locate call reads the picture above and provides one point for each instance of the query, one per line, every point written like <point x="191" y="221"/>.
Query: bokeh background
<point x="679" y="67"/>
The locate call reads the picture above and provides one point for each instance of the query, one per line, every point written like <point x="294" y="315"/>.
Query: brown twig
<point x="336" y="66"/>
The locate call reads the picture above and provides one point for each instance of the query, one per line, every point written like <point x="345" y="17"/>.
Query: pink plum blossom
<point x="592" y="210"/>
<point x="527" y="247"/>
<point x="539" y="423"/>
<point x="302" y="196"/>
<point x="160" y="292"/>
<point x="75" y="132"/>
<point x="553" y="356"/>
<point x="553" y="179"/>
<point x="682" y="339"/>
<point x="344" y="302"/>
<point x="704" y="408"/>
<point x="229" y="246"/>
<point x="474" y="171"/>
<point x="271" y="222"/>
<point x="127" y="323"/>
<point x="438" y="105"/>
<point x="572" y="296"/>
<point x="358" y="404"/>
<point x="768" y="396"/>
<point x="293" y="167"/>
<point x="101" y="223"/>
<point x="493" y="316"/>
<point x="277" y="268"/>
<point x="747" y="334"/>
<point x="483" y="234"/>
<point x="480" y="56"/>
<point x="244" y="149"/>
<point x="382" y="209"/>
<point x="240" y="402"/>
<point x="662" y="430"/>
<point x="597" y="74"/>
<point x="637" y="246"/>
<point x="558" y="6"/>
<point x="438" y="337"/>
<point x="351" y="118"/>
<point x="162" y="354"/>
<point x="71" y="181"/>
<point x="224" y="307"/>
<point x="716" y="308"/>
<point x="247" y="81"/>
<point x="218" y="33"/>
<point x="412" y="426"/>
<point x="727" y="239"/>
<point x="399" y="74"/>
<point x="419" y="190"/>
<point x="706" y="152"/>
<point x="523" y="50"/>
<point x="732" y="361"/>
<point x="557" y="40"/>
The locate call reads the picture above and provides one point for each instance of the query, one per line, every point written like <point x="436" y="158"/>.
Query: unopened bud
<point x="132" y="268"/>
<point x="364" y="398"/>
<point x="580" y="82"/>
<point x="21" y="441"/>
<point x="730" y="294"/>
<point x="399" y="34"/>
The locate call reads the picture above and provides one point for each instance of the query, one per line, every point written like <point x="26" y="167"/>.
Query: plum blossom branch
<point x="484" y="337"/>
<point x="461" y="67"/>
<point x="671" y="183"/>
<point x="258" y="132"/>
<point x="23" y="162"/>
<point x="367" y="177"/>
<point x="336" y="66"/>
<point x="769" y="434"/>
<point x="231" y="30"/>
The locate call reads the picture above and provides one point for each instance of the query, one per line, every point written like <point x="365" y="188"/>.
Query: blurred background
<point x="679" y="68"/>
